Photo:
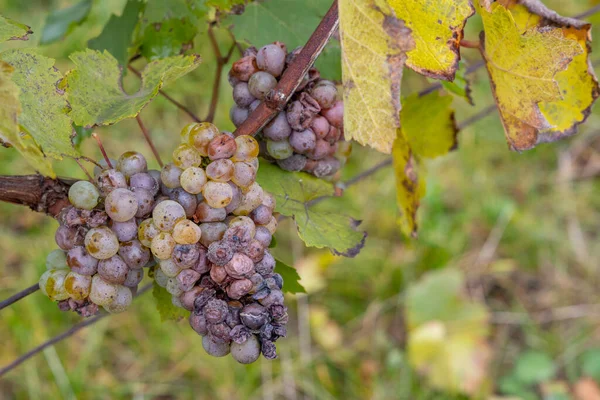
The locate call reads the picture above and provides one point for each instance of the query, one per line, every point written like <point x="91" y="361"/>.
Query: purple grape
<point x="145" y="200"/>
<point x="325" y="93"/>
<point x="198" y="323"/>
<point x="261" y="83"/>
<point x="206" y="213"/>
<point x="261" y="215"/>
<point x="67" y="238"/>
<point x="271" y="58"/>
<point x="238" y="115"/>
<point x="113" y="270"/>
<point x="303" y="141"/>
<point x="296" y="162"/>
<point x="278" y="128"/>
<point x="242" y="95"/>
<point x="188" y="201"/>
<point x="239" y="288"/>
<point x="246" y="352"/>
<point x="266" y="265"/>
<point x="125" y="231"/>
<point x="263" y="235"/>
<point x="320" y="126"/>
<point x="80" y="261"/>
<point x="186" y="255"/>
<point x="254" y="316"/>
<point x="187" y="278"/>
<point x="146" y="180"/>
<point x="110" y="180"/>
<point x="220" y="252"/>
<point x="335" y="114"/>
<point x="134" y="254"/>
<point x="215" y="311"/>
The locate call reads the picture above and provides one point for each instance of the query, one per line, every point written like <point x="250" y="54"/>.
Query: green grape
<point x="56" y="259"/>
<point x="217" y="194"/>
<point x="167" y="214"/>
<point x="246" y="352"/>
<point x="147" y="231"/>
<point x="101" y="243"/>
<point x="252" y="199"/>
<point x="187" y="131"/>
<point x="170" y="175"/>
<point x="78" y="286"/>
<point x="160" y="278"/>
<point x="52" y="284"/>
<point x="193" y="179"/>
<point x="131" y="163"/>
<point x="173" y="287"/>
<point x="170" y="268"/>
<point x="201" y="135"/>
<point x="186" y="156"/>
<point x="220" y="170"/>
<point x="279" y="150"/>
<point x="84" y="195"/>
<point x="247" y="148"/>
<point x="186" y="232"/>
<point x="244" y="175"/>
<point x="121" y="301"/>
<point x="272" y="225"/>
<point x="102" y="292"/>
<point x="163" y="245"/>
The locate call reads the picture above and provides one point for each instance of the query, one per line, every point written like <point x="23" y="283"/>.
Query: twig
<point x="292" y="76"/>
<point x="469" y="44"/>
<point x="480" y="115"/>
<point x="84" y="170"/>
<point x="69" y="332"/>
<point x="102" y="150"/>
<point x="369" y="172"/>
<point x="221" y="62"/>
<point x="588" y="12"/>
<point x="172" y="100"/>
<point x="18" y="296"/>
<point x="149" y="140"/>
<point x="41" y="194"/>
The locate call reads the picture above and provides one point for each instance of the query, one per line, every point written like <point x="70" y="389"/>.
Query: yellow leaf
<point x="374" y="44"/>
<point x="10" y="108"/>
<point x="539" y="70"/>
<point x="428" y="131"/>
<point x="437" y="28"/>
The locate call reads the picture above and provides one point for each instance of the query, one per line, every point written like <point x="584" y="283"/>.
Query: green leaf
<point x="291" y="22"/>
<point x="461" y="86"/>
<point x="533" y="367"/>
<point x="12" y="30"/>
<point x="590" y="364"/>
<point x="290" y="276"/>
<point x="94" y="86"/>
<point x="61" y="22"/>
<point x="167" y="38"/>
<point x="428" y="131"/>
<point x="294" y="191"/>
<point x="9" y="128"/>
<point x="43" y="102"/>
<point x="158" y="10"/>
<point x="81" y="134"/>
<point x="116" y="37"/>
<point x="167" y="310"/>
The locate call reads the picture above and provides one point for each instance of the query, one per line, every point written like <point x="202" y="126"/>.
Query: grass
<point x="526" y="237"/>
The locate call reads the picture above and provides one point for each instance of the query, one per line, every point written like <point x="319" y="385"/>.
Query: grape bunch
<point x="100" y="261"/>
<point x="309" y="134"/>
<point x="210" y="232"/>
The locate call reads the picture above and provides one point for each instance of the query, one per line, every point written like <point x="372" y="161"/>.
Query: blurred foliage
<point x="522" y="228"/>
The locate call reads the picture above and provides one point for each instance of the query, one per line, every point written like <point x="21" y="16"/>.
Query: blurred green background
<point x="523" y="228"/>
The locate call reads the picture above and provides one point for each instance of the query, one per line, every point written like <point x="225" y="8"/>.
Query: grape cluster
<point x="100" y="260"/>
<point x="309" y="134"/>
<point x="210" y="232"/>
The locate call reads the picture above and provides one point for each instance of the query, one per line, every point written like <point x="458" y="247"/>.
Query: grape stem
<point x="221" y="62"/>
<point x="149" y="140"/>
<point x="18" y="296"/>
<point x="292" y="76"/>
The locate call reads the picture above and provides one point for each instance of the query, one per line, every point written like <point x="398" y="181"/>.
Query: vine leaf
<point x="10" y="109"/>
<point x="118" y="32"/>
<point x="290" y="277"/>
<point x="291" y="22"/>
<point x="61" y="22"/>
<point x="538" y="62"/>
<point x="294" y="192"/>
<point x="447" y="333"/>
<point x="167" y="310"/>
<point x="94" y="86"/>
<point x="13" y="30"/>
<point x="43" y="103"/>
<point x="428" y="131"/>
<point x="437" y="28"/>
<point x="168" y="28"/>
<point x="374" y="46"/>
<point x="461" y="86"/>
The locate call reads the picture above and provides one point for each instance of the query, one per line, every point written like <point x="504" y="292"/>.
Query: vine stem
<point x="292" y="76"/>
<point x="69" y="332"/>
<point x="172" y="100"/>
<point x="221" y="62"/>
<point x="18" y="296"/>
<point x="149" y="140"/>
